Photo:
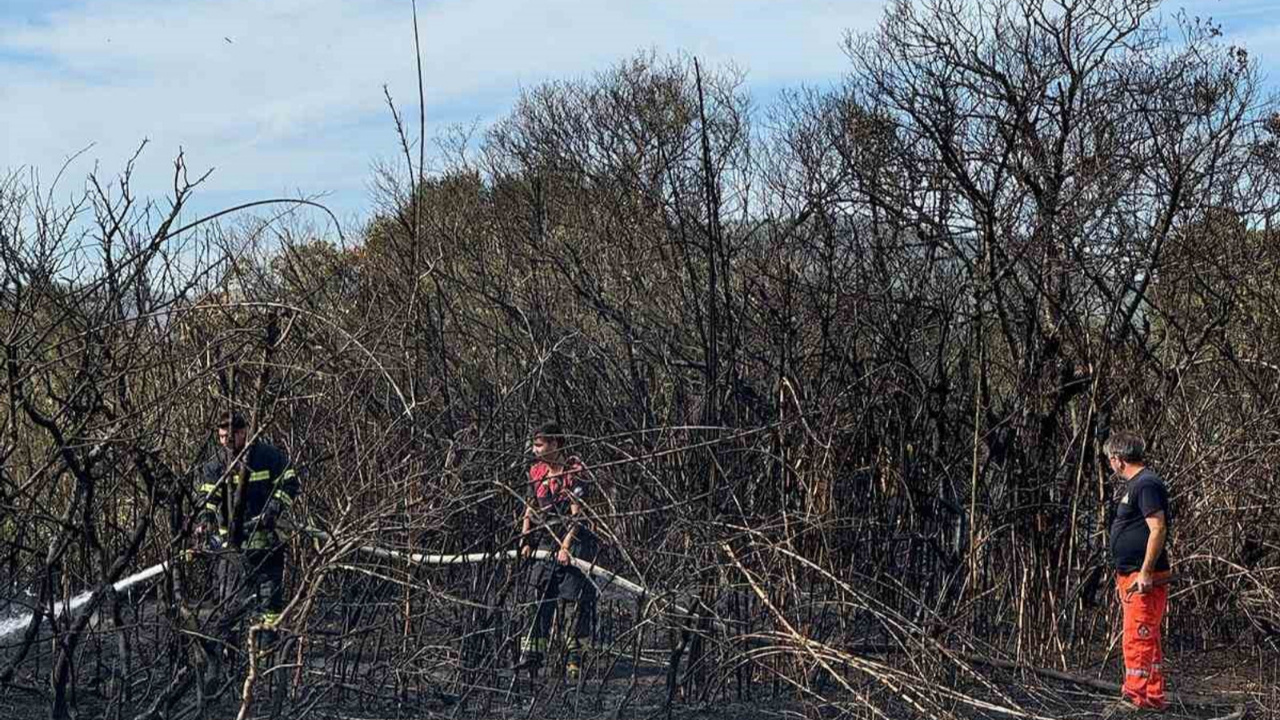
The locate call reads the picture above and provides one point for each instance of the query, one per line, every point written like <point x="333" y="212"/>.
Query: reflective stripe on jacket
<point x="267" y="474"/>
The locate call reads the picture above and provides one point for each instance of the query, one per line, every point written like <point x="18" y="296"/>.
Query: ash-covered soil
<point x="1244" y="681"/>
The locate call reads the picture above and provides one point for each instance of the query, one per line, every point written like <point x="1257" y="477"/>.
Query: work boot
<point x="266" y="639"/>
<point x="576" y="659"/>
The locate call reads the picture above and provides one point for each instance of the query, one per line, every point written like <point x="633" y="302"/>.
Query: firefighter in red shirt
<point x="555" y="521"/>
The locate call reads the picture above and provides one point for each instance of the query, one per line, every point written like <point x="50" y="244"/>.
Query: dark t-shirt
<point x="1144" y="495"/>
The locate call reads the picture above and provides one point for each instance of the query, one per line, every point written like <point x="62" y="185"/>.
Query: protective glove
<point x="206" y="536"/>
<point x="267" y="519"/>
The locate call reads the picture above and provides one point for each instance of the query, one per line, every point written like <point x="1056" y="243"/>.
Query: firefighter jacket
<point x="270" y="487"/>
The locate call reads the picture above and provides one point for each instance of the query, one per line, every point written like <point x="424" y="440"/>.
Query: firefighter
<point x="243" y="492"/>
<point x="555" y="521"/>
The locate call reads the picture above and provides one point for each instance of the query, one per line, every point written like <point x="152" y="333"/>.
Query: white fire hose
<point x="607" y="579"/>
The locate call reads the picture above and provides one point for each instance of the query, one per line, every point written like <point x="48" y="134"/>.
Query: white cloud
<point x="287" y="95"/>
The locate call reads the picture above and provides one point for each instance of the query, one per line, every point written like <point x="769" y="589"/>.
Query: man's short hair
<point x="1127" y="446"/>
<point x="232" y="421"/>
<point x="549" y="431"/>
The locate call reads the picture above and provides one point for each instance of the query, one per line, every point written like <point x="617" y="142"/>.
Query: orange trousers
<point x="1143" y="616"/>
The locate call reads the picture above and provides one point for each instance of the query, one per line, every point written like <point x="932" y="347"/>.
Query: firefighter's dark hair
<point x="550" y="431"/>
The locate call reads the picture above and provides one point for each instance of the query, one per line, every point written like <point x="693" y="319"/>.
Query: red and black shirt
<point x="553" y="491"/>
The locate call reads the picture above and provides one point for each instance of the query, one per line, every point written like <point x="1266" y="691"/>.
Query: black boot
<point x="576" y="660"/>
<point x="266" y="639"/>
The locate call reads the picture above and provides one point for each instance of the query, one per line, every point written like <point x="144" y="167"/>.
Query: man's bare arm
<point x="1155" y="540"/>
<point x="567" y="542"/>
<point x="1158" y="527"/>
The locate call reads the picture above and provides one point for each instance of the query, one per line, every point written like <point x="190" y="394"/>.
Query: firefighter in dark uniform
<point x="242" y="493"/>
<point x="555" y="521"/>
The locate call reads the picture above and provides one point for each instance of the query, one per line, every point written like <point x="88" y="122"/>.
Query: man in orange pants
<point x="1142" y="569"/>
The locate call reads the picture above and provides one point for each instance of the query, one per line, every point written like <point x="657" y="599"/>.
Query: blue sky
<point x="285" y="97"/>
